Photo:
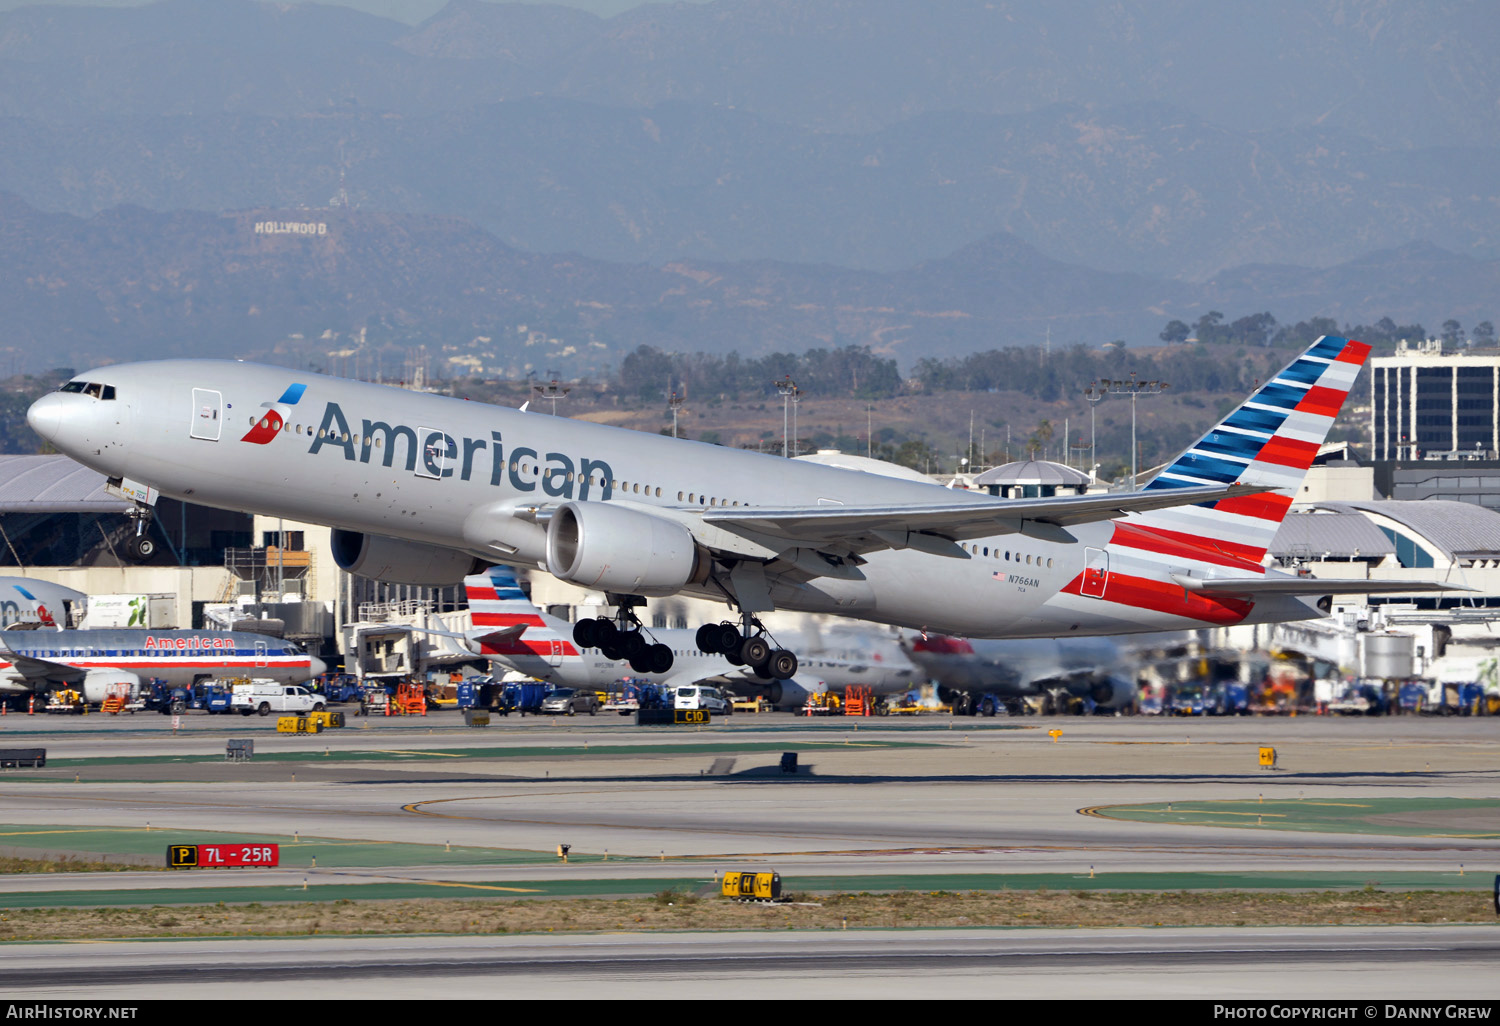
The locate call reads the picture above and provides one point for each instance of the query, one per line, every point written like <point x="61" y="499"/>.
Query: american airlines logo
<point x="155" y="644"/>
<point x="429" y="452"/>
<point x="269" y="424"/>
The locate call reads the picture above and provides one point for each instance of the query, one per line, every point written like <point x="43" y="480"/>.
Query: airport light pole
<point x="1134" y="388"/>
<point x="675" y="402"/>
<point x="1094" y="395"/>
<point x="786" y="388"/>
<point x="796" y="398"/>
<point x="553" y="391"/>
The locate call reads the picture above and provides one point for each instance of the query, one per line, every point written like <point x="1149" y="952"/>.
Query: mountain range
<point x="131" y="283"/>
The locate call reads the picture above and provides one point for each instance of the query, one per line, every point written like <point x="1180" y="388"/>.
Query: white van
<point x="268" y="696"/>
<point x="696" y="696"/>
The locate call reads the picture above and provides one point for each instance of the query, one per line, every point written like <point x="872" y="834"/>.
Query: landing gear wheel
<point x="633" y="643"/>
<point x="639" y="663"/>
<point x="139" y="549"/>
<point x="586" y="633"/>
<point x="728" y="639"/>
<point x="658" y="658"/>
<point x="755" y="651"/>
<point x="733" y="655"/>
<point x="707" y="638"/>
<point x="782" y="664"/>
<point x="611" y="651"/>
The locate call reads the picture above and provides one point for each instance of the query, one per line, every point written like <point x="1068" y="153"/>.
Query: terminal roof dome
<point x="1462" y="530"/>
<point x="1325" y="533"/>
<point x="1032" y="472"/>
<point x="53" y="484"/>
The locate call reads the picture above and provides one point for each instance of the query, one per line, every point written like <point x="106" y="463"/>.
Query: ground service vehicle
<point x="266" y="697"/>
<point x="699" y="696"/>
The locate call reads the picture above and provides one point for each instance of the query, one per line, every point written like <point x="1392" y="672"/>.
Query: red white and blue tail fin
<point x="1269" y="440"/>
<point x="496" y="602"/>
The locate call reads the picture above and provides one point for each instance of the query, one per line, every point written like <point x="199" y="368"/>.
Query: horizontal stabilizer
<point x="1253" y="586"/>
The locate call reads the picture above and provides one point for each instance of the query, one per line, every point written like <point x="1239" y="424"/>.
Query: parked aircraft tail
<point x="1270" y="440"/>
<point x="498" y="606"/>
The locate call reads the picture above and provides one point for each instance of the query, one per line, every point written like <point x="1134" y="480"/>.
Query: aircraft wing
<point x="42" y="669"/>
<point x="934" y="527"/>
<point x="1253" y="586"/>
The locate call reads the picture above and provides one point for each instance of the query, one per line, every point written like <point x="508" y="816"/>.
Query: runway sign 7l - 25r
<point x="222" y="856"/>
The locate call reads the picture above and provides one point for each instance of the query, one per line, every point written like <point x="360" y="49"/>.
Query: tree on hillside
<point x="1175" y="333"/>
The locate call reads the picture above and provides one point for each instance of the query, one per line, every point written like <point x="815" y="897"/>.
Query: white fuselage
<point x="451" y="473"/>
<point x="177" y="657"/>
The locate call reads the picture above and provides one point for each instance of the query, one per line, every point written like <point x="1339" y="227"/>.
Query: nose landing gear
<point x="140" y="547"/>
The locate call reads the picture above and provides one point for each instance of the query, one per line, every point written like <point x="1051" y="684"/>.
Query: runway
<point x="1362" y="966"/>
<point x="426" y="807"/>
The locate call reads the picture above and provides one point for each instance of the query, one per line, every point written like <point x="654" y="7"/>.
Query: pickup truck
<point x="266" y="698"/>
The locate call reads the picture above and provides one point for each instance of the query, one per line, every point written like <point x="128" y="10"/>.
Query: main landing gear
<point x="623" y="640"/>
<point x="746" y="649"/>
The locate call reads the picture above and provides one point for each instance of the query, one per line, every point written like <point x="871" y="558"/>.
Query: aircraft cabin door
<point x="208" y="414"/>
<point x="555" y="652"/>
<point x="435" y="453"/>
<point x="260" y="653"/>
<point x="1095" y="572"/>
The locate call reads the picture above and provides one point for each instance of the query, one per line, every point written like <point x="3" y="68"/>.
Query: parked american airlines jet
<point x="96" y="661"/>
<point x="35" y="603"/>
<point x="843" y="655"/>
<point x="425" y="489"/>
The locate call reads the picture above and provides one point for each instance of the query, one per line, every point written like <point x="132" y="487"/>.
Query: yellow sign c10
<point x="762" y="886"/>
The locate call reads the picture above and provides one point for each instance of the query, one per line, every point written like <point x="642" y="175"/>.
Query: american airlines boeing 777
<point x="425" y="489"/>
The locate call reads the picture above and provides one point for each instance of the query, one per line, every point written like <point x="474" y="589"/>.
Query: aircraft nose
<point x="316" y="667"/>
<point x="45" y="416"/>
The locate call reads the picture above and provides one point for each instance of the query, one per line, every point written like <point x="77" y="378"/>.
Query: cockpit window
<point x="93" y="388"/>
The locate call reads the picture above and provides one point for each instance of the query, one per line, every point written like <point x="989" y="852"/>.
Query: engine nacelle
<point x="791" y="694"/>
<point x="101" y="684"/>
<point x="401" y="562"/>
<point x="614" y="548"/>
<point x="1113" y="693"/>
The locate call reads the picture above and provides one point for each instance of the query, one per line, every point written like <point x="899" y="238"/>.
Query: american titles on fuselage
<point x="432" y="452"/>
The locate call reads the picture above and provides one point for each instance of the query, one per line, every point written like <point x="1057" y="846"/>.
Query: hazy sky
<point x="410" y="11"/>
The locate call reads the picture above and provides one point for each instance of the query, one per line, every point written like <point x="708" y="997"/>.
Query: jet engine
<point x="615" y="548"/>
<point x="401" y="562"/>
<point x="101" y="684"/>
<point x="1113" y="693"/>
<point x="789" y="694"/>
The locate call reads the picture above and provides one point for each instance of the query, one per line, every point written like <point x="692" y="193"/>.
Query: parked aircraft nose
<point x="316" y="667"/>
<point x="45" y="416"/>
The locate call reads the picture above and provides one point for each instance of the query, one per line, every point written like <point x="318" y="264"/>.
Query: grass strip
<point x="679" y="908"/>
